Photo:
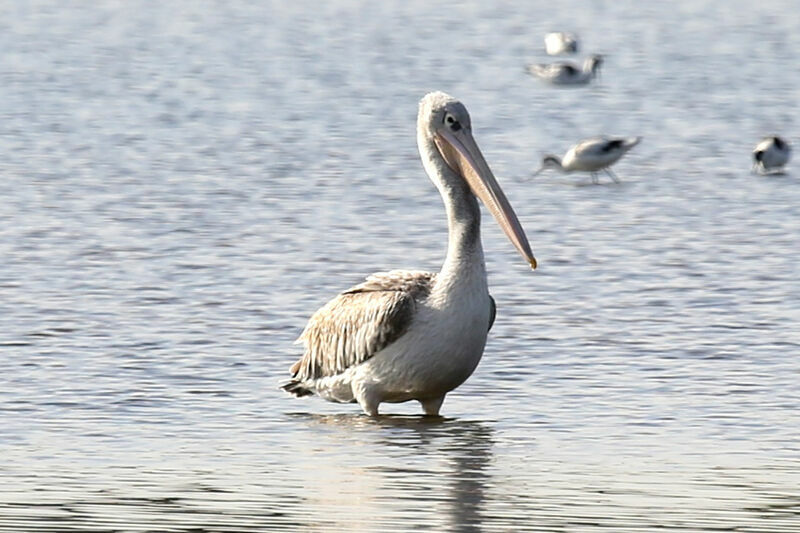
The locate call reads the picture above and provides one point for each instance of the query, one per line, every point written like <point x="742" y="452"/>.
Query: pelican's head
<point x="444" y="135"/>
<point x="438" y="108"/>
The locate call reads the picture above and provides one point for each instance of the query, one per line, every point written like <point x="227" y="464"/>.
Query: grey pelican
<point x="770" y="154"/>
<point x="560" y="42"/>
<point x="592" y="155"/>
<point x="411" y="335"/>
<point x="566" y="73"/>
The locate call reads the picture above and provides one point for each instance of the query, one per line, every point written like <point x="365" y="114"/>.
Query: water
<point x="184" y="183"/>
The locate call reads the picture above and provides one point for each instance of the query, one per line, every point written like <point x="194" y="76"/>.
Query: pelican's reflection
<point x="431" y="472"/>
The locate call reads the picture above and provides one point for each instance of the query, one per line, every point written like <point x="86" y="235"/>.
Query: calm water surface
<point x="184" y="183"/>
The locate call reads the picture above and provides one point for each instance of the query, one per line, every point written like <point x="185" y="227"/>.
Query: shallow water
<point x="184" y="183"/>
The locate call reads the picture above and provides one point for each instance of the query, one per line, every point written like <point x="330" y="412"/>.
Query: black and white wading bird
<point x="770" y="155"/>
<point x="591" y="155"/>
<point x="567" y="73"/>
<point x="560" y="42"/>
<point x="411" y="335"/>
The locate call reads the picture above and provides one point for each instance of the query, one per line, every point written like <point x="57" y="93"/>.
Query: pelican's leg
<point x="431" y="406"/>
<point x="367" y="398"/>
<point x="369" y="407"/>
<point x="613" y="176"/>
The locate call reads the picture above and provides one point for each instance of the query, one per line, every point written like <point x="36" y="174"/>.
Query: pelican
<point x="592" y="155"/>
<point x="566" y="73"/>
<point x="770" y="154"/>
<point x="411" y="335"/>
<point x="560" y="42"/>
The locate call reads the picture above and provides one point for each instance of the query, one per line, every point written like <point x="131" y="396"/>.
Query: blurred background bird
<point x="560" y="42"/>
<point x="591" y="155"/>
<point x="771" y="154"/>
<point x="567" y="73"/>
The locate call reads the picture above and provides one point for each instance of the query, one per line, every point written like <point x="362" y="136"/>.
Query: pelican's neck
<point x="464" y="250"/>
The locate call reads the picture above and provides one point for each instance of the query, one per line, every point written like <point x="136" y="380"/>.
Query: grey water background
<point x="183" y="183"/>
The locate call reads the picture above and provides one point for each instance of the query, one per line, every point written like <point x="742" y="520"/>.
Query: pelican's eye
<point x="452" y="122"/>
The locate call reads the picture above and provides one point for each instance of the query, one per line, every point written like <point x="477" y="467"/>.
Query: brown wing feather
<point x="360" y="322"/>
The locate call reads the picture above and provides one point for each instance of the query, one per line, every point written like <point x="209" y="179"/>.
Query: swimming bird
<point x="560" y="42"/>
<point x="412" y="335"/>
<point x="566" y="73"/>
<point x="592" y="155"/>
<point x="770" y="154"/>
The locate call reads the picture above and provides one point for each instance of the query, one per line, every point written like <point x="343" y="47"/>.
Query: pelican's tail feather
<point x="296" y="387"/>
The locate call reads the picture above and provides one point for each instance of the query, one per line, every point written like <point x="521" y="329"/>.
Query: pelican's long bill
<point x="462" y="154"/>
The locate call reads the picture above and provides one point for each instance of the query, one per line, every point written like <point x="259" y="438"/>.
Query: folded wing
<point x="359" y="323"/>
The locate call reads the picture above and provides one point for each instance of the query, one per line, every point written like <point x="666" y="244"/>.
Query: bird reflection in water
<point x="450" y="497"/>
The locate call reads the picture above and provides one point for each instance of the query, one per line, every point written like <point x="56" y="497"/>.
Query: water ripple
<point x="184" y="184"/>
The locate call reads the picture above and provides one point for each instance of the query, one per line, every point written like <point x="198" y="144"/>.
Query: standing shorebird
<point x="560" y="42"/>
<point x="771" y="154"/>
<point x="591" y="155"/>
<point x="410" y="335"/>
<point x="566" y="73"/>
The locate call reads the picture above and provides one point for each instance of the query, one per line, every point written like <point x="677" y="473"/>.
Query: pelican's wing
<point x="360" y="322"/>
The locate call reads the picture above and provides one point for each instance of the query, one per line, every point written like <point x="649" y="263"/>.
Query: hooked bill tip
<point x="532" y="262"/>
